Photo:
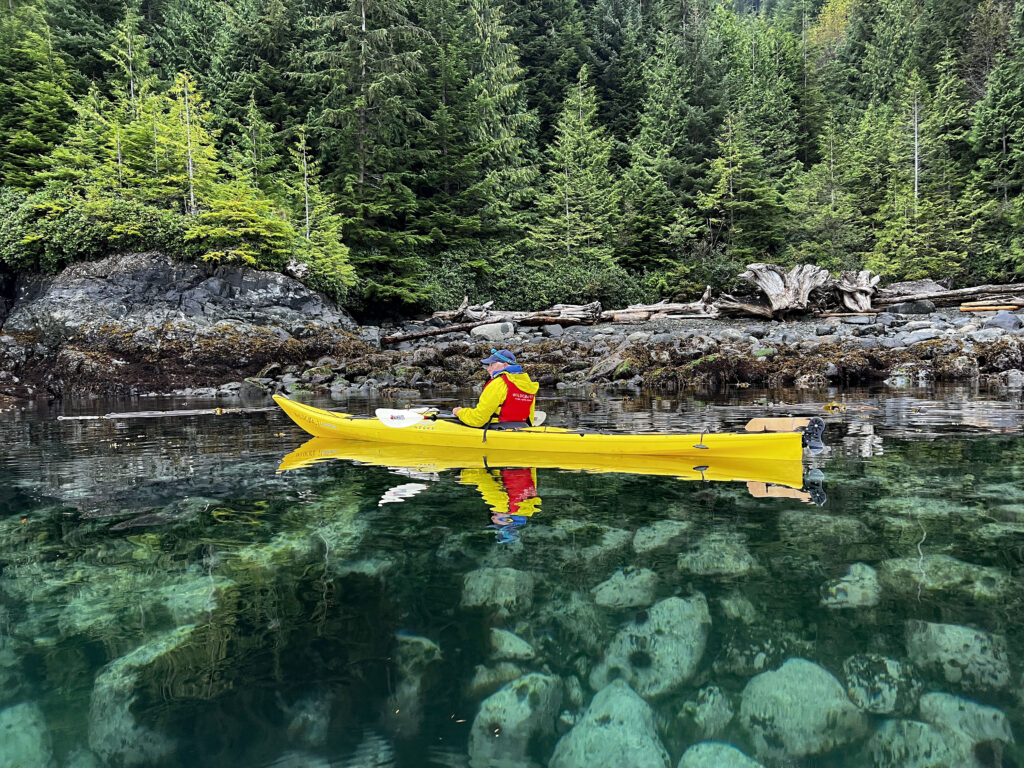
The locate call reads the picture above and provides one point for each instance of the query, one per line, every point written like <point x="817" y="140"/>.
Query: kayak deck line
<point x="453" y="435"/>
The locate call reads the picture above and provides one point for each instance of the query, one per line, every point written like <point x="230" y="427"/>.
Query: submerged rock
<point x="628" y="587"/>
<point x="799" y="709"/>
<point x="711" y="712"/>
<point x="660" y="534"/>
<point x="415" y="660"/>
<point x="24" y="739"/>
<point x="715" y="754"/>
<point x="309" y="719"/>
<point x="881" y="686"/>
<point x="616" y="730"/>
<point x="114" y="735"/>
<point x="718" y="554"/>
<point x="942" y="573"/>
<point x="508" y="721"/>
<point x="506" y="645"/>
<point x="503" y="588"/>
<point x="966" y="720"/>
<point x="969" y="658"/>
<point x="859" y="588"/>
<point x="660" y="650"/>
<point x="910" y="744"/>
<point x="486" y="680"/>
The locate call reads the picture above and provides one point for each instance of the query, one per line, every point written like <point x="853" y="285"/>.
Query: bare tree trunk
<point x="191" y="169"/>
<point x="305" y="183"/>
<point x="120" y="174"/>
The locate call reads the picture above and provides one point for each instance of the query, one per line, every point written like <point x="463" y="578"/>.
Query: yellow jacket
<point x="493" y="396"/>
<point x="495" y="494"/>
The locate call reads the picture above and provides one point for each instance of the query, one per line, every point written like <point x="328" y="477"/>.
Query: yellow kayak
<point x="422" y="458"/>
<point x="785" y="446"/>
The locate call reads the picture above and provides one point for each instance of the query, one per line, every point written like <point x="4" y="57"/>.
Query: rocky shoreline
<point x="136" y="324"/>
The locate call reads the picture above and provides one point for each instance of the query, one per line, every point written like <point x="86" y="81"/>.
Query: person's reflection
<point x="510" y="493"/>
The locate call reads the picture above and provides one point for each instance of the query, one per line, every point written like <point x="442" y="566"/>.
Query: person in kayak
<point x="509" y="395"/>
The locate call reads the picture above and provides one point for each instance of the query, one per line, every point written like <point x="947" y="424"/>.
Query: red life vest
<point x="516" y="406"/>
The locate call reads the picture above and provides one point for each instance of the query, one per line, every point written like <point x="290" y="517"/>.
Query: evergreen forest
<point x="398" y="154"/>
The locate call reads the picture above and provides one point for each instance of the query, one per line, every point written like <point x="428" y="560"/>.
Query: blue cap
<point x="500" y="356"/>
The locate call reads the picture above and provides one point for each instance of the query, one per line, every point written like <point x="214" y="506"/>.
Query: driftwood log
<point x="856" y="288"/>
<point x="638" y="313"/>
<point x="787" y="292"/>
<point x="562" y="314"/>
<point x="991" y="293"/>
<point x="730" y="306"/>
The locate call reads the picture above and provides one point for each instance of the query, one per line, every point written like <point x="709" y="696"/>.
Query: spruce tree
<point x="35" y="105"/>
<point x="577" y="208"/>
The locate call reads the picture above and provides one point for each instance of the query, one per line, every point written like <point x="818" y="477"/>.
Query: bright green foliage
<point x="577" y="208"/>
<point x="742" y="207"/>
<point x="404" y="154"/>
<point x="35" y="106"/>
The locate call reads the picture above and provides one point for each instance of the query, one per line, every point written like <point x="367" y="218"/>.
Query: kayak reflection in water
<point x="510" y="493"/>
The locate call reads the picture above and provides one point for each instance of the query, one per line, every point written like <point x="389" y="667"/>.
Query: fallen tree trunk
<point x="703" y="307"/>
<point x="952" y="296"/>
<point x="787" y="291"/>
<point x="561" y="314"/>
<point x="730" y="306"/>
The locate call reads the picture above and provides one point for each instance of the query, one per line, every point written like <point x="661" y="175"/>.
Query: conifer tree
<point x="35" y="105"/>
<point x="577" y="209"/>
<point x="742" y="208"/>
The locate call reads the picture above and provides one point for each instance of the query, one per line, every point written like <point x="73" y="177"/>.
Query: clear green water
<point x="168" y="598"/>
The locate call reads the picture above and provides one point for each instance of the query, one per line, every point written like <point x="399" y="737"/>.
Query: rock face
<point x="130" y="309"/>
<point x="660" y="650"/>
<point x="942" y="573"/>
<point x="800" y="709"/>
<point x="969" y="658"/>
<point x="966" y="720"/>
<point x="718" y="554"/>
<point x="509" y="720"/>
<point x="617" y="730"/>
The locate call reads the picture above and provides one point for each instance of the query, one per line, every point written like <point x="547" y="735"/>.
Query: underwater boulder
<point x="521" y="712"/>
<point x="24" y="738"/>
<point x="114" y="734"/>
<point x="721" y="553"/>
<point x="659" y="535"/>
<point x="711" y="712"/>
<point x="503" y="588"/>
<point x="880" y="685"/>
<point x="715" y="754"/>
<point x="799" y="709"/>
<point x="973" y="723"/>
<point x="942" y="573"/>
<point x="415" y="660"/>
<point x="970" y="658"/>
<point x="628" y="587"/>
<point x="912" y="744"/>
<point x="859" y="588"/>
<point x="660" y="649"/>
<point x="508" y="646"/>
<point x="617" y="729"/>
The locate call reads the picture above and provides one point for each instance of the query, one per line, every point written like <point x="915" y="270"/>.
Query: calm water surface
<point x="169" y="597"/>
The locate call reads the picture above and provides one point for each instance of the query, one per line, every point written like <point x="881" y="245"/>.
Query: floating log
<point x="787" y="291"/>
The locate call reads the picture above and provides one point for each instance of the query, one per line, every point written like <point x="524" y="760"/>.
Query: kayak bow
<point x="785" y="446"/>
